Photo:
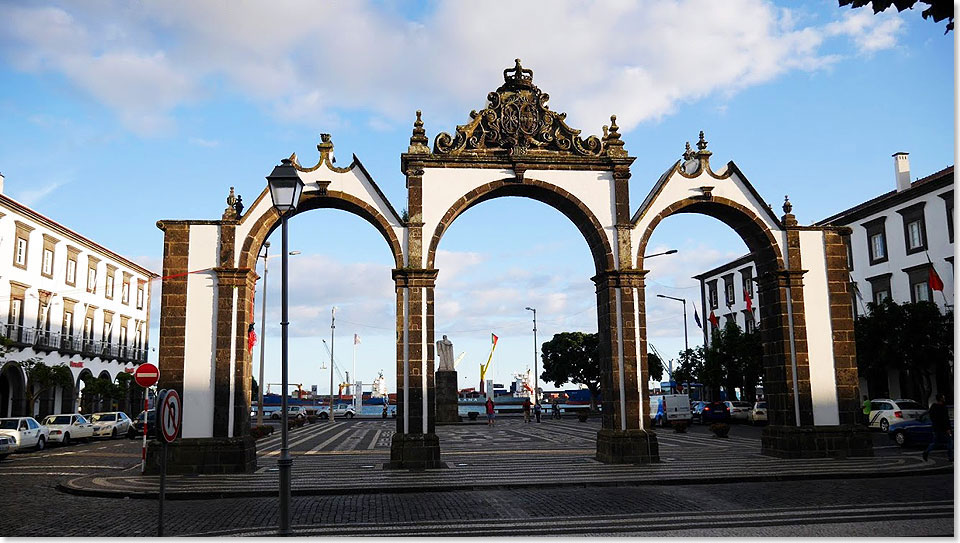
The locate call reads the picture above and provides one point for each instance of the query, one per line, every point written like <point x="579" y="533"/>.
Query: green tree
<point x="938" y="10"/>
<point x="689" y="366"/>
<point x="42" y="378"/>
<point x="573" y="357"/>
<point x="101" y="389"/>
<point x="654" y="367"/>
<point x="733" y="359"/>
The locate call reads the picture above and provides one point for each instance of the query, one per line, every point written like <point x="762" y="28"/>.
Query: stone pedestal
<point x="816" y="441"/>
<point x="447" y="397"/>
<point x="415" y="451"/>
<point x="193" y="456"/>
<point x="627" y="447"/>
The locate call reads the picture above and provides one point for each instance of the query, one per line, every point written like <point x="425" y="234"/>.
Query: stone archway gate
<point x="517" y="146"/>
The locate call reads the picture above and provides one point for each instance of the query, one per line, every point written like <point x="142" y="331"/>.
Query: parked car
<point x="342" y="410"/>
<point x="739" y="411"/>
<point x="67" y="427"/>
<point x="675" y="407"/>
<point x="112" y="424"/>
<point x="696" y="411"/>
<point x="136" y="429"/>
<point x="7" y="445"/>
<point x="758" y="414"/>
<point x="884" y="412"/>
<point x="25" y="431"/>
<point x="715" y="412"/>
<point x="915" y="431"/>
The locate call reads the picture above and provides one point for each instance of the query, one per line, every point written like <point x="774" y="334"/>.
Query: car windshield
<point x="741" y="404"/>
<point x="762" y="405"/>
<point x="908" y="404"/>
<point x="8" y="424"/>
<point x="61" y="419"/>
<point x="104" y="417"/>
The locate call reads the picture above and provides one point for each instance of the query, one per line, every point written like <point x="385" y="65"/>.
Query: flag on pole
<point x="714" y="321"/>
<point x="251" y="338"/>
<point x="696" y="318"/>
<point x="356" y="339"/>
<point x="934" y="279"/>
<point x="494" y="338"/>
<point x="746" y="296"/>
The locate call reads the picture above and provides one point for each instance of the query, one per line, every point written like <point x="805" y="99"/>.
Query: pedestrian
<point x="526" y="410"/>
<point x="384" y="409"/>
<point x="866" y="411"/>
<point x="491" y="412"/>
<point x="942" y="432"/>
<point x="536" y="410"/>
<point x="555" y="409"/>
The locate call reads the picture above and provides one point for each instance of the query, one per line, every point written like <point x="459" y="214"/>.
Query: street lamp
<point x="686" y="345"/>
<point x="263" y="327"/>
<point x="536" y="376"/>
<point x="670" y="252"/>
<point x="285" y="188"/>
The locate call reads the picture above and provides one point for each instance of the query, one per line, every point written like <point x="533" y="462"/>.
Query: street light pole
<point x="686" y="344"/>
<point x="263" y="334"/>
<point x="536" y="375"/>
<point x="333" y="318"/>
<point x="670" y="252"/>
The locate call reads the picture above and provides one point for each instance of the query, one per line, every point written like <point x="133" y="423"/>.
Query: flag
<point x="714" y="321"/>
<point x="356" y="339"/>
<point x="251" y="338"/>
<point x="746" y="296"/>
<point x="934" y="279"/>
<point x="696" y="318"/>
<point x="494" y="338"/>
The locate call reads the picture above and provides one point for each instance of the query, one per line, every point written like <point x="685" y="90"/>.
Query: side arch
<point x="266" y="223"/>
<point x="552" y="195"/>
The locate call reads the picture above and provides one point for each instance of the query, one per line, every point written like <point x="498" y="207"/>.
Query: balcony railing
<point x="43" y="340"/>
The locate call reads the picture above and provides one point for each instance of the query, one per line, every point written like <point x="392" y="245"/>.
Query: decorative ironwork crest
<point x="518" y="120"/>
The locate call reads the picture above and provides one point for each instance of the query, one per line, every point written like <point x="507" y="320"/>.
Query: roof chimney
<point x="901" y="168"/>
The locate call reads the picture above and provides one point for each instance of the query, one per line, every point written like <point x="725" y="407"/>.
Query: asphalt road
<point x="30" y="503"/>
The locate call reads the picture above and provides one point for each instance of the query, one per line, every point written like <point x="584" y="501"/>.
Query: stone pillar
<point x="415" y="444"/>
<point x="623" y="438"/>
<point x="448" y="396"/>
<point x="173" y="303"/>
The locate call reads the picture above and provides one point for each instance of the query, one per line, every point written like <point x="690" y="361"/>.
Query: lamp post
<point x="285" y="188"/>
<point x="686" y="346"/>
<point x="263" y="329"/>
<point x="670" y="252"/>
<point x="536" y="376"/>
<point x="333" y="317"/>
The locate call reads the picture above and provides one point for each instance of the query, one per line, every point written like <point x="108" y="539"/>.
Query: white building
<point x="896" y="238"/>
<point x="66" y="300"/>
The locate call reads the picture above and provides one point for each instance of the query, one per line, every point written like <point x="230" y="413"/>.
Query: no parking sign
<point x="170" y="415"/>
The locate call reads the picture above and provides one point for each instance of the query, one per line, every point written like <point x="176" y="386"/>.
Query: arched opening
<point x="85" y="402"/>
<point x="67" y="399"/>
<point x="13" y="386"/>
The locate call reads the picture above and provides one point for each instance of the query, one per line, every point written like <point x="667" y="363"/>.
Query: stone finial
<point x="418" y="140"/>
<point x="687" y="152"/>
<point x="230" y="212"/>
<point x="325" y="147"/>
<point x="612" y="144"/>
<point x="702" y="143"/>
<point x="787" y="206"/>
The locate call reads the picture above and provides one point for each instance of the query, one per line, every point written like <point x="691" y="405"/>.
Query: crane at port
<point x="485" y="367"/>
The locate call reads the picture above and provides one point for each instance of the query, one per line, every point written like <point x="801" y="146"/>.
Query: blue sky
<point x="117" y="114"/>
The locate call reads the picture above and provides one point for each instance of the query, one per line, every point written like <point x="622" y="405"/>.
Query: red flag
<point x="251" y="338"/>
<point x="714" y="321"/>
<point x="746" y="296"/>
<point x="494" y="338"/>
<point x="934" y="280"/>
<point x="356" y="339"/>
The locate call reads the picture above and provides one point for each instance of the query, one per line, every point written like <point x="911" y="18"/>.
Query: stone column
<point x="173" y="303"/>
<point x="415" y="444"/>
<point x="623" y="438"/>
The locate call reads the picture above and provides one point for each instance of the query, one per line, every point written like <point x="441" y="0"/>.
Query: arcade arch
<point x="13" y="386"/>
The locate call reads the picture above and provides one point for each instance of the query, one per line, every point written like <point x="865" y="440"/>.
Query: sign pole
<point x="146" y="417"/>
<point x="163" y="486"/>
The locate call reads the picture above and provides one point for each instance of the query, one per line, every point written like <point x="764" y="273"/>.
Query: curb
<point x="74" y="487"/>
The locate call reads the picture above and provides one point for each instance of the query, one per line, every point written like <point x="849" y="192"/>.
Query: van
<point x="675" y="407"/>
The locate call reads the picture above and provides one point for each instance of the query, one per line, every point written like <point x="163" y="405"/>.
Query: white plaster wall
<point x="200" y="336"/>
<point x="816" y="307"/>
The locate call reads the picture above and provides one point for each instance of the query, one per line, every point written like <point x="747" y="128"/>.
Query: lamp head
<point x="670" y="252"/>
<point x="285" y="186"/>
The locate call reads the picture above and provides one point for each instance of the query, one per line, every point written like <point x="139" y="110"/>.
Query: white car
<point x="884" y="412"/>
<point x="25" y="431"/>
<point x="67" y="427"/>
<point x="758" y="414"/>
<point x="345" y="411"/>
<point x="739" y="411"/>
<point x="112" y="424"/>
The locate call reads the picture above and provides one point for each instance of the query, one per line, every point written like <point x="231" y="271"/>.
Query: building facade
<point x="895" y="241"/>
<point x="66" y="300"/>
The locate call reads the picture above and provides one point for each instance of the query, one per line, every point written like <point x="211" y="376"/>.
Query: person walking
<point x="866" y="411"/>
<point x="555" y="409"/>
<point x="942" y="432"/>
<point x="526" y="410"/>
<point x="536" y="411"/>
<point x="491" y="412"/>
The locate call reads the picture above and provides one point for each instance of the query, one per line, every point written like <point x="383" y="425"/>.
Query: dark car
<point x="714" y="412"/>
<point x="915" y="432"/>
<point x="136" y="430"/>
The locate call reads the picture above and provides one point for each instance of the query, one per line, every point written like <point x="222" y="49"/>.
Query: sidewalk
<point x="512" y="455"/>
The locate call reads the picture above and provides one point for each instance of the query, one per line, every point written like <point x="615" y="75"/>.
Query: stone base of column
<point x="447" y="397"/>
<point x="816" y="441"/>
<point x="191" y="456"/>
<point x="627" y="447"/>
<point x="415" y="451"/>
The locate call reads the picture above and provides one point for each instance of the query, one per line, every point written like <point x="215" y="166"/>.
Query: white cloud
<point x="313" y="63"/>
<point x="34" y="195"/>
<point x="201" y="142"/>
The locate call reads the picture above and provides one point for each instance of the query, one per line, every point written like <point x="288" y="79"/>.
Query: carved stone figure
<point x="445" y="354"/>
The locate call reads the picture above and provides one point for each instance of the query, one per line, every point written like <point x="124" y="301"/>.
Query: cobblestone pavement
<point x="30" y="503"/>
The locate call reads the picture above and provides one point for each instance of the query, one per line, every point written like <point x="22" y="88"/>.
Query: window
<point x="876" y="240"/>
<point x="746" y="276"/>
<point x="123" y="336"/>
<point x="881" y="287"/>
<point x="728" y="291"/>
<point x="48" y="263"/>
<point x="712" y="290"/>
<point x="68" y="323"/>
<point x="72" y="272"/>
<point x="730" y="317"/>
<point x="108" y="286"/>
<point x="88" y="328"/>
<point x="948" y="202"/>
<point x="914" y="229"/>
<point x="20" y="259"/>
<point x="21" y="244"/>
<point x="919" y="277"/>
<point x="749" y="324"/>
<point x="139" y="295"/>
<point x="92" y="280"/>
<point x="125" y="289"/>
<point x="848" y="243"/>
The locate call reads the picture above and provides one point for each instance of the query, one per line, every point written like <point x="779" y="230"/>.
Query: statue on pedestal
<point x="445" y="354"/>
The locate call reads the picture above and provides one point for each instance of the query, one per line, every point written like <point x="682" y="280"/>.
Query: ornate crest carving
<point x="517" y="120"/>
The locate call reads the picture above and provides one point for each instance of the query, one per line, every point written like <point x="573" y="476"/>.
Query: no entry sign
<point x="170" y="415"/>
<point x="146" y="375"/>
